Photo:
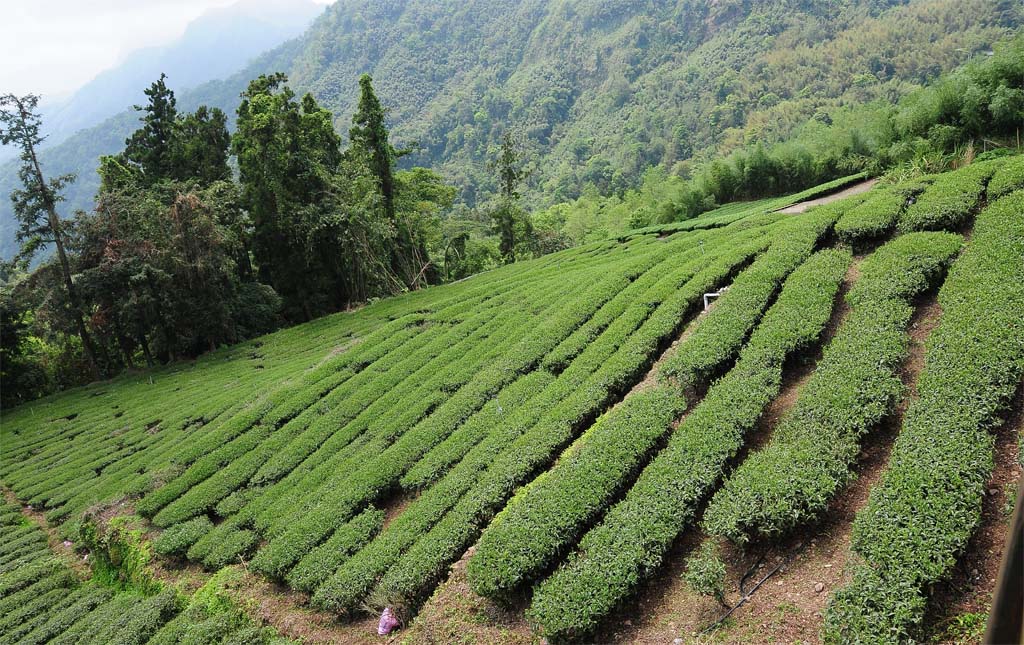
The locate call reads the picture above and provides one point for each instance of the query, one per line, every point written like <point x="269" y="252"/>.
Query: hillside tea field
<point x="563" y="430"/>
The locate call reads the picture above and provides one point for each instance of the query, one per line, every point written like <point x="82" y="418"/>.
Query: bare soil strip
<point x="855" y="189"/>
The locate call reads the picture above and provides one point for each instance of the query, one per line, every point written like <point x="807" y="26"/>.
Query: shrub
<point x="920" y="516"/>
<point x="854" y="386"/>
<point x="634" y="536"/>
<point x="87" y="599"/>
<point x="875" y="217"/>
<point x="536" y="525"/>
<point x="705" y="572"/>
<point x="425" y="563"/>
<point x="950" y="201"/>
<point x="177" y="539"/>
<point x="322" y="561"/>
<point x="1008" y="177"/>
<point x="384" y="471"/>
<point x="719" y="336"/>
<point x="585" y="382"/>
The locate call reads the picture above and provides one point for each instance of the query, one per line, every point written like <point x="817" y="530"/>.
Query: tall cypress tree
<point x="151" y="146"/>
<point x="369" y="133"/>
<point x="369" y="137"/>
<point x="506" y="214"/>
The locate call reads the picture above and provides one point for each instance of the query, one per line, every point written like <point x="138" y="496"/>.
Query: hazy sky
<point x="51" y="47"/>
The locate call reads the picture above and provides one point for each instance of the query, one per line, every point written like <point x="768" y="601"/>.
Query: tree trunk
<point x="145" y="349"/>
<point x="125" y="346"/>
<point x="58" y="238"/>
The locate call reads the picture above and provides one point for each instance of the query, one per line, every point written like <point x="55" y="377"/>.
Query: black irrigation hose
<point x="753" y="568"/>
<point x="746" y="596"/>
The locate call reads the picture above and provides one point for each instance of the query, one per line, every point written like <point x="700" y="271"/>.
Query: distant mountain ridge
<point x="597" y="91"/>
<point x="215" y="45"/>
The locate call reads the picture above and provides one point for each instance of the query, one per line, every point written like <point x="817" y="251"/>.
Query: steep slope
<point x="598" y="91"/>
<point x="559" y="423"/>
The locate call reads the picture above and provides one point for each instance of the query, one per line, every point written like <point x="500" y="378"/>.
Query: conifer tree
<point x="507" y="213"/>
<point x="35" y="204"/>
<point x="151" y="145"/>
<point x="369" y="133"/>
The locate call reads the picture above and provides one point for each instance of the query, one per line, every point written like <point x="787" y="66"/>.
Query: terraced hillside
<point x="531" y="451"/>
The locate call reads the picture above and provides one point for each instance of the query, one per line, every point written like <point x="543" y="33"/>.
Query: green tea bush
<point x="875" y="217"/>
<point x="385" y="470"/>
<point x="634" y="536"/>
<point x="176" y="540"/>
<point x="1008" y="177"/>
<point x="426" y="562"/>
<point x="347" y="588"/>
<point x="541" y="520"/>
<point x="920" y="516"/>
<point x="720" y="335"/>
<point x="855" y="384"/>
<point x="325" y="559"/>
<point x="705" y="572"/>
<point x="950" y="201"/>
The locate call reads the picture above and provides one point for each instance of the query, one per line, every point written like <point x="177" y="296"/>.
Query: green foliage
<point x="705" y="572"/>
<point x="499" y="411"/>
<point x="286" y="153"/>
<point x="169" y="145"/>
<point x="950" y="201"/>
<point x="904" y="267"/>
<point x="1008" y="177"/>
<point x="523" y="439"/>
<point x="177" y="539"/>
<point x="322" y="561"/>
<point x="544" y="517"/>
<point x="600" y="95"/>
<point x="22" y="376"/>
<point x="854" y="386"/>
<point x="718" y="338"/>
<point x="119" y="555"/>
<point x="44" y="602"/>
<point x="973" y="365"/>
<point x="875" y="219"/>
<point x="635" y="534"/>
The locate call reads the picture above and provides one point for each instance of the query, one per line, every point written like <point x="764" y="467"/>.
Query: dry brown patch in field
<point x="288" y="613"/>
<point x="395" y="506"/>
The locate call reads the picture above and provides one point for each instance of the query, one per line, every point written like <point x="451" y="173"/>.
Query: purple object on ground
<point x="387" y="622"/>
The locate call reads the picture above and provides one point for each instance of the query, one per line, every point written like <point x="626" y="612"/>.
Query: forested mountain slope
<point x="598" y="91"/>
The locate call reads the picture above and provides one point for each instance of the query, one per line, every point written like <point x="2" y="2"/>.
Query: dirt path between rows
<point x="855" y="189"/>
<point x="64" y="550"/>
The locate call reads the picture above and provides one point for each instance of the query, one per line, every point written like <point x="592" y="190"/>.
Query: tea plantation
<point x="565" y="420"/>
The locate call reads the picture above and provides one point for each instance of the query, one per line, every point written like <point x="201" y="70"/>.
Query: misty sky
<point x="52" y="47"/>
